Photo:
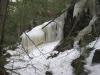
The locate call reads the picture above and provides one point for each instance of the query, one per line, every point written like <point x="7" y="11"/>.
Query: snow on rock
<point x="61" y="65"/>
<point x="38" y="64"/>
<point x="94" y="69"/>
<point x="78" y="8"/>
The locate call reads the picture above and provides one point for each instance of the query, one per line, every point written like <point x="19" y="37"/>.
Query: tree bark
<point x="3" y="13"/>
<point x="73" y="25"/>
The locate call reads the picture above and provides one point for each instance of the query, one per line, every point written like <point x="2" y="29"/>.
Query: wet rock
<point x="48" y="73"/>
<point x="96" y="57"/>
<point x="53" y="55"/>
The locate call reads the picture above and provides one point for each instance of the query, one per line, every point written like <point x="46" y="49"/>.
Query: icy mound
<point x="36" y="63"/>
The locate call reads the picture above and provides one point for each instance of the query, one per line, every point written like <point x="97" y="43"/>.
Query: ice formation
<point x="39" y="35"/>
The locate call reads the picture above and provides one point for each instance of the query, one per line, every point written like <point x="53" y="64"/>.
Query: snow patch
<point x="93" y="68"/>
<point x="38" y="64"/>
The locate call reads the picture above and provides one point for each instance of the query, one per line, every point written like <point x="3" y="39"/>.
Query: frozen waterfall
<point x="39" y="35"/>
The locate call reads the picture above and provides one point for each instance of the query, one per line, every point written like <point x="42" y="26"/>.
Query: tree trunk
<point x="3" y="12"/>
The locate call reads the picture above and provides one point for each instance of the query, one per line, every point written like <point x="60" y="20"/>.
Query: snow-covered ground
<point x="37" y="63"/>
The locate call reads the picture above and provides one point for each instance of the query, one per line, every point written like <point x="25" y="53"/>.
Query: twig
<point x="25" y="51"/>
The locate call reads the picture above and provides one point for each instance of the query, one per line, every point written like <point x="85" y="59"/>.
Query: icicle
<point x="49" y="30"/>
<point x="60" y="25"/>
<point x="54" y="31"/>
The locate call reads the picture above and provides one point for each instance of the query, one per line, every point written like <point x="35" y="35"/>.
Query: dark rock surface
<point x="48" y="73"/>
<point x="96" y="57"/>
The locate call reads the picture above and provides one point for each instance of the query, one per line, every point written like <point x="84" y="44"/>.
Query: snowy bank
<point x="38" y="64"/>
